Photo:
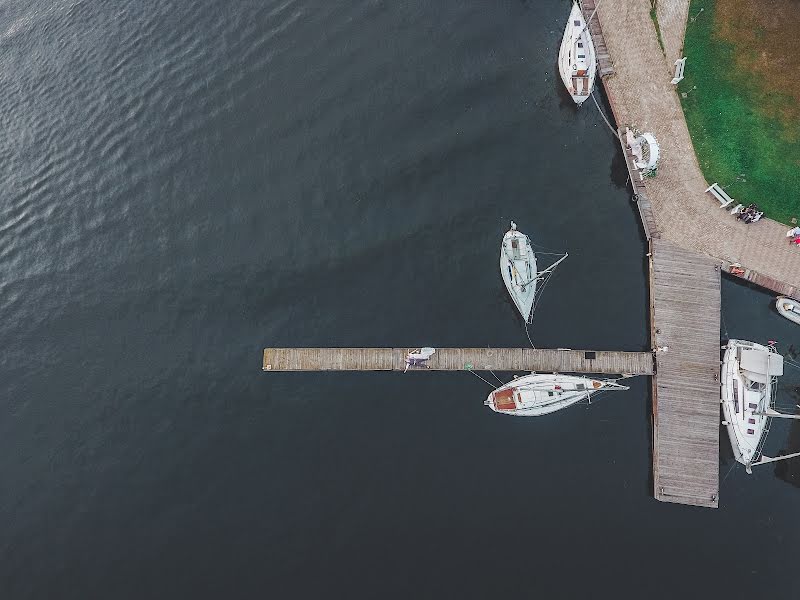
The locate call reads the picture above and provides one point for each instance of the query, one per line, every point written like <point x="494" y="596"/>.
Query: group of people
<point x="751" y="214"/>
<point x="794" y="236"/>
<point x="748" y="214"/>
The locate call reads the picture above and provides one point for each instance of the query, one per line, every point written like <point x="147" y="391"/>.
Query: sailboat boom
<point x="553" y="266"/>
<point x="778" y="415"/>
<point x="770" y="459"/>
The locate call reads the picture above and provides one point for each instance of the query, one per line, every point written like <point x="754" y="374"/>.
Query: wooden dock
<point x="460" y="359"/>
<point x="781" y="288"/>
<point x="639" y="190"/>
<point x="604" y="64"/>
<point x="685" y="323"/>
<point x="685" y="306"/>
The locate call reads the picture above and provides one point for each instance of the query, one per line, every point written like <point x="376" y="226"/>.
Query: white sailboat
<point x="540" y="394"/>
<point x="749" y="377"/>
<point x="789" y="308"/>
<point x="519" y="270"/>
<point x="576" y="58"/>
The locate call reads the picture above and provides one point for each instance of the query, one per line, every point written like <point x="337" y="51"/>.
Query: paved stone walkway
<point x="672" y="16"/>
<point x="641" y="94"/>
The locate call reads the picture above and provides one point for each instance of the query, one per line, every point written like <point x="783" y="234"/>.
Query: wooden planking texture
<point x="639" y="190"/>
<point x="459" y="359"/>
<point x="685" y="303"/>
<point x="779" y="287"/>
<point x="601" y="51"/>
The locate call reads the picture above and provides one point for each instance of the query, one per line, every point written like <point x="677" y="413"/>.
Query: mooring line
<point x="602" y="114"/>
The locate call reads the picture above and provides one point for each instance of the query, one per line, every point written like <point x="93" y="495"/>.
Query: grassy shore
<point x="741" y="98"/>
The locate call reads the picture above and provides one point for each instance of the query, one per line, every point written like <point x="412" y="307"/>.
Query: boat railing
<point x="763" y="440"/>
<point x="773" y="388"/>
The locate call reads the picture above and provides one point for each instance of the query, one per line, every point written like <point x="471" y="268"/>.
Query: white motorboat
<point x="749" y="377"/>
<point x="540" y="393"/>
<point x="789" y="308"/>
<point x="519" y="270"/>
<point x="576" y="58"/>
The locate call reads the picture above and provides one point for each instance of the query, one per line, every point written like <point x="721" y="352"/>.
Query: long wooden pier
<point x="685" y="329"/>
<point x="685" y="306"/>
<point x="460" y="359"/>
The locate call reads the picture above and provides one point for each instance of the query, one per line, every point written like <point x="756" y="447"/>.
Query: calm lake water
<point x="185" y="183"/>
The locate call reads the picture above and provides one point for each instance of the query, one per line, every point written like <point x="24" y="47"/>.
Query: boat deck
<point x="459" y="359"/>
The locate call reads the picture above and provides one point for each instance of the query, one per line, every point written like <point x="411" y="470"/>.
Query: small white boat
<point x="789" y="308"/>
<point x="540" y="394"/>
<point x="419" y="358"/>
<point x="576" y="58"/>
<point x="749" y="376"/>
<point x="519" y="270"/>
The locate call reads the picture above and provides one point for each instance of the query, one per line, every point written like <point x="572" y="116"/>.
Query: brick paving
<point x="641" y="94"/>
<point x="672" y="15"/>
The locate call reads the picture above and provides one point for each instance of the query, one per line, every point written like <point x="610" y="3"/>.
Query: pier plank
<point x="685" y="304"/>
<point x="604" y="65"/>
<point x="460" y="359"/>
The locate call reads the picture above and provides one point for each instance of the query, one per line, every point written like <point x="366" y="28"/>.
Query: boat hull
<point x="577" y="63"/>
<point x="789" y="308"/>
<point x="538" y="394"/>
<point x="742" y="406"/>
<point x="519" y="271"/>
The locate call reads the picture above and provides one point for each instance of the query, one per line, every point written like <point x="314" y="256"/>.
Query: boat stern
<point x="501" y="400"/>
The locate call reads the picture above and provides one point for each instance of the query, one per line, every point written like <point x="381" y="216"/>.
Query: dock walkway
<point x="460" y="359"/>
<point x="640" y="94"/>
<point x="685" y="317"/>
<point x="691" y="242"/>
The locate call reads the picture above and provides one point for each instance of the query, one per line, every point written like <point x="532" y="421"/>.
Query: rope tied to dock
<point x="489" y="383"/>
<point x="602" y="114"/>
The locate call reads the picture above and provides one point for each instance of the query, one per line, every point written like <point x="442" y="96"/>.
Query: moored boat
<point x="789" y="308"/>
<point x="540" y="393"/>
<point x="749" y="382"/>
<point x="576" y="57"/>
<point x="518" y="267"/>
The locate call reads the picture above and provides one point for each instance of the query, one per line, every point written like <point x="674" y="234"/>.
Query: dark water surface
<point x="186" y="182"/>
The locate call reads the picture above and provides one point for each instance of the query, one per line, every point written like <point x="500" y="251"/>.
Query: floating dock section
<point x="685" y="318"/>
<point x="460" y="359"/>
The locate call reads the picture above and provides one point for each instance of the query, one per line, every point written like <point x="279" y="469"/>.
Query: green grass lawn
<point x="746" y="131"/>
